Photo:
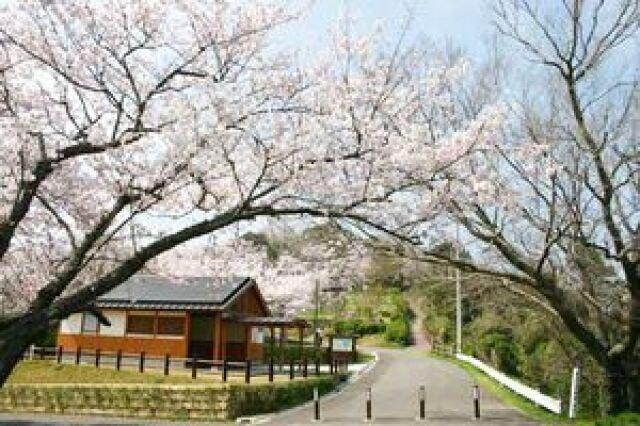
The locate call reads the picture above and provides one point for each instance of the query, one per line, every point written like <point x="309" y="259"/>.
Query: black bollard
<point x="141" y="362"/>
<point x="317" y="366"/>
<point x="224" y="370"/>
<point x="305" y="368"/>
<point x="118" y="359"/>
<point x="78" y="355"/>
<point x="368" y="397"/>
<point x="422" y="395"/>
<point x="476" y="401"/>
<point x="59" y="354"/>
<point x="194" y="367"/>
<point x="316" y="402"/>
<point x="97" y="358"/>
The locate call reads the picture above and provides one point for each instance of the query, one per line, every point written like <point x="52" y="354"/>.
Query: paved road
<point x="394" y="382"/>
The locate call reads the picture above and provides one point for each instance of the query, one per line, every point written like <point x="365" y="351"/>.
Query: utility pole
<point x="458" y="299"/>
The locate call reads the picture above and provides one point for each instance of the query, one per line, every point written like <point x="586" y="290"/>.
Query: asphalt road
<point x="394" y="382"/>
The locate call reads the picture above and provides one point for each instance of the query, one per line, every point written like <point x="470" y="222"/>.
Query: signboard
<point x="341" y="344"/>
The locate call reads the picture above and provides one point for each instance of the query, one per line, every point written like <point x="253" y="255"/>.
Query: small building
<point x="207" y="318"/>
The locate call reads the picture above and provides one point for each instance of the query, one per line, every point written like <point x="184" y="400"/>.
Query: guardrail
<point x="552" y="404"/>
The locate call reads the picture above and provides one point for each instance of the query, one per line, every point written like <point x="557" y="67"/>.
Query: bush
<point x="624" y="419"/>
<point x="398" y="331"/>
<point x="358" y="327"/>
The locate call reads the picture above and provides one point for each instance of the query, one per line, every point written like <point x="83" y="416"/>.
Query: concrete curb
<point x="263" y="418"/>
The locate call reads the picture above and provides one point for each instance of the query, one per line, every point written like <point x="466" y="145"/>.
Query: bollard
<point x="271" y="369"/>
<point x="78" y="355"/>
<point x="118" y="359"/>
<point x="368" y="397"/>
<point x="291" y="371"/>
<point x="97" y="358"/>
<point x="194" y="367"/>
<point x="305" y="371"/>
<point x="166" y="364"/>
<point x="247" y="372"/>
<point x="317" y="366"/>
<point x="59" y="354"/>
<point x="141" y="362"/>
<point x="335" y="367"/>
<point x="224" y="370"/>
<point x="423" y="396"/>
<point x="476" y="402"/>
<point x="330" y="366"/>
<point x="316" y="403"/>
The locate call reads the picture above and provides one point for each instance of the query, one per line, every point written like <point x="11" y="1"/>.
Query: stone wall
<point x="195" y="402"/>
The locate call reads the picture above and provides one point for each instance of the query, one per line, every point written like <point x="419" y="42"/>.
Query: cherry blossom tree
<point x="129" y="128"/>
<point x="553" y="207"/>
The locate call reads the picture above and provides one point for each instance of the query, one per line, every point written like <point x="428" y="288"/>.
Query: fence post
<point x="368" y="398"/>
<point x="330" y="366"/>
<point x="573" y="397"/>
<point x="423" y="396"/>
<point x="476" y="401"/>
<point x="118" y="359"/>
<point x="224" y="370"/>
<point x="141" y="362"/>
<point x="247" y="371"/>
<point x="291" y="371"/>
<point x="317" y="361"/>
<point x="271" y="369"/>
<point x="305" y="366"/>
<point x="78" y="355"/>
<point x="316" y="402"/>
<point x="194" y="367"/>
<point x="166" y="364"/>
<point x="335" y="367"/>
<point x="59" y="354"/>
<point x="97" y="358"/>
<point x="42" y="353"/>
<point x="32" y="350"/>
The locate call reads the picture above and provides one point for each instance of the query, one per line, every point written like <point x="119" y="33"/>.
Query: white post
<point x="573" y="398"/>
<point x="32" y="351"/>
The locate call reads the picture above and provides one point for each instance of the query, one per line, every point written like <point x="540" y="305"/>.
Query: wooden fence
<point x="223" y="369"/>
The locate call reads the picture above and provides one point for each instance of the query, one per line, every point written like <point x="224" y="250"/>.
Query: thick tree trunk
<point x="623" y="387"/>
<point x="16" y="338"/>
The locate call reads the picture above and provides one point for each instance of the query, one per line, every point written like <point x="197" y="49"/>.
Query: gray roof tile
<point x="153" y="290"/>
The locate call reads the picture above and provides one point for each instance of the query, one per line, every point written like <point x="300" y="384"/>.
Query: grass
<point x="377" y="341"/>
<point x="510" y="398"/>
<point x="48" y="372"/>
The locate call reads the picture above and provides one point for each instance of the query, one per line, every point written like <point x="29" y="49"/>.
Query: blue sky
<point x="466" y="23"/>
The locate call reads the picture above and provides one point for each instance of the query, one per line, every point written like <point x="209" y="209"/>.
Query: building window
<point x="140" y="324"/>
<point x="89" y="323"/>
<point x="172" y="326"/>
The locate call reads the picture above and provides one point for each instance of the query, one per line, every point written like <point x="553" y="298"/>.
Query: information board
<point x="341" y="344"/>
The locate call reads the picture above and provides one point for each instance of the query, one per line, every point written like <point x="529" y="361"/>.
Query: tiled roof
<point x="157" y="292"/>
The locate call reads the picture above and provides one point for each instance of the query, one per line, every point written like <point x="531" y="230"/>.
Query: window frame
<point x="168" y="316"/>
<point x="150" y="314"/>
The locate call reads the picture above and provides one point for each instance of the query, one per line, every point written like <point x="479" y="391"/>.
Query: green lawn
<point x="48" y="372"/>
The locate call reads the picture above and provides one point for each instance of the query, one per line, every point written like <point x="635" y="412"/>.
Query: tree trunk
<point x="16" y="338"/>
<point x="623" y="387"/>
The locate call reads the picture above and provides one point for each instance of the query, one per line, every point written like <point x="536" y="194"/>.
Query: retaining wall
<point x="195" y="402"/>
